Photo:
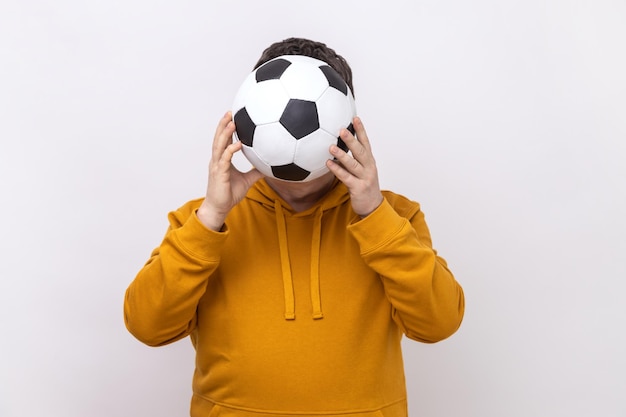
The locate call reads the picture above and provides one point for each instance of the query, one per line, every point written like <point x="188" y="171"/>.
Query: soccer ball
<point x="288" y="112"/>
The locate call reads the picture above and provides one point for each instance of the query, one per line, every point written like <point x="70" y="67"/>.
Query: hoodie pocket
<point x="204" y="408"/>
<point x="218" y="411"/>
<point x="215" y="411"/>
<point x="200" y="407"/>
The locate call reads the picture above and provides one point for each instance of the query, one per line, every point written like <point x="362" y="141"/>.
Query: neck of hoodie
<point x="302" y="196"/>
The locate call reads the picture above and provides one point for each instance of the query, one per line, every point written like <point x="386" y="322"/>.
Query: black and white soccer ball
<point x="288" y="112"/>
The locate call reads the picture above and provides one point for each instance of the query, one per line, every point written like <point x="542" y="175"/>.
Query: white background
<point x="506" y="120"/>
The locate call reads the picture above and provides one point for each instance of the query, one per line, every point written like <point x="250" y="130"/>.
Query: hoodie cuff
<point x="199" y="241"/>
<point x="377" y="229"/>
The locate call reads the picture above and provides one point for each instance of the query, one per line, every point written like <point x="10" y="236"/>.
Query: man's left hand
<point x="357" y="171"/>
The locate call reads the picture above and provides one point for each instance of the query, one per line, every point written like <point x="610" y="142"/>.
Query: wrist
<point x="210" y="218"/>
<point x="376" y="203"/>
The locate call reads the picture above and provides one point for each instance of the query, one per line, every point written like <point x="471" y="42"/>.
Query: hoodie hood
<point x="265" y="195"/>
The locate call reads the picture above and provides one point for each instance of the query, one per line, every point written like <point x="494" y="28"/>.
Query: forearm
<point x="160" y="304"/>
<point x="427" y="301"/>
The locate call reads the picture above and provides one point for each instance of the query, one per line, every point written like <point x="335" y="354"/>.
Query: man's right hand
<point x="227" y="186"/>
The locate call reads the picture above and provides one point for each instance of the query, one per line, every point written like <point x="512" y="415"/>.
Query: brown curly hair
<point x="318" y="50"/>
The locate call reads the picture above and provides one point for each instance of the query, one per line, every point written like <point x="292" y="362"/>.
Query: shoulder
<point x="403" y="206"/>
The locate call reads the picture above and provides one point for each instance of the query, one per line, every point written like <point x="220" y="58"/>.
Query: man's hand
<point x="358" y="172"/>
<point x="226" y="186"/>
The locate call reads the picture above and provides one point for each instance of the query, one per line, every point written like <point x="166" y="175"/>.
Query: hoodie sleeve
<point x="427" y="302"/>
<point x="160" y="304"/>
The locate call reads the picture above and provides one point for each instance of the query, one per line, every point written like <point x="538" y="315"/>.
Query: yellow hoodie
<point x="296" y="313"/>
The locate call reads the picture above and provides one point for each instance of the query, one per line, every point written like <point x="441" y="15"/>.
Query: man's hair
<point x="318" y="50"/>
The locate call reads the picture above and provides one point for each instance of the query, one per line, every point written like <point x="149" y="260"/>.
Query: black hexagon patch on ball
<point x="245" y="127"/>
<point x="300" y="118"/>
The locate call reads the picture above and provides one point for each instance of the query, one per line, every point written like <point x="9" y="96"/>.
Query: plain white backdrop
<point x="506" y="120"/>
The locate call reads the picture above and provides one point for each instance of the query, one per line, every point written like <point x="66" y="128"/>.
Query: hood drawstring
<point x="290" y="302"/>
<point x="316" y="299"/>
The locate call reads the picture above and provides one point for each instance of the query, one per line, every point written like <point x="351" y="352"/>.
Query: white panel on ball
<point x="274" y="145"/>
<point x="312" y="89"/>
<point x="266" y="101"/>
<point x="312" y="150"/>
<point x="256" y="161"/>
<point x="243" y="92"/>
<point x="334" y="110"/>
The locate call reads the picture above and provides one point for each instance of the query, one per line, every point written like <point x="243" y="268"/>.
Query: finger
<point x="220" y="140"/>
<point x="223" y="139"/>
<point x="340" y="172"/>
<point x="227" y="117"/>
<point x="358" y="145"/>
<point x="227" y="156"/>
<point x="222" y="169"/>
<point x="349" y="163"/>
<point x="360" y="133"/>
<point x="359" y="152"/>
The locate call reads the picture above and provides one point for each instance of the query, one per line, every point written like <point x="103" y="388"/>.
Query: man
<point x="296" y="295"/>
